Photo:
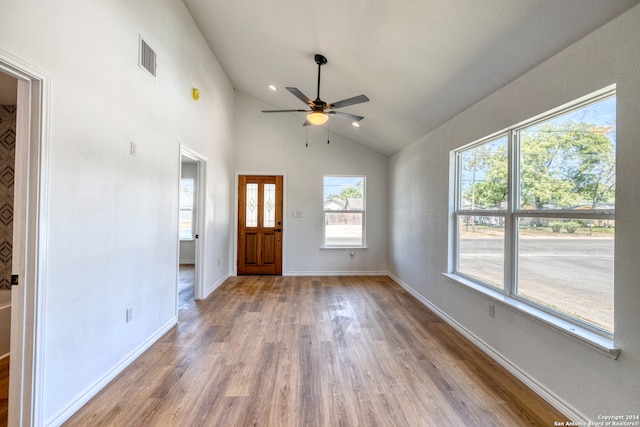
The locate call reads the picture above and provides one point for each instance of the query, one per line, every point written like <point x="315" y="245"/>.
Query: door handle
<point x="278" y="229"/>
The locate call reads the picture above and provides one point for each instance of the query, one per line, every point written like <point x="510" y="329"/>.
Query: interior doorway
<point x="29" y="232"/>
<point x="192" y="231"/>
<point x="8" y="108"/>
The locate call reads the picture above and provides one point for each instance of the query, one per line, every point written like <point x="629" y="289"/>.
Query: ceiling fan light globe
<point x="317" y="118"/>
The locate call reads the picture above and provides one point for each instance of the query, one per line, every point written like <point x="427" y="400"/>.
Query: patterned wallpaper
<point x="7" y="161"/>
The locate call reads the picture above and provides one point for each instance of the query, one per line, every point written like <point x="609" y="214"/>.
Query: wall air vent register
<point x="147" y="57"/>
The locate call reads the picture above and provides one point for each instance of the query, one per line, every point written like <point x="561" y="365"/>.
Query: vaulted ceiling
<point x="420" y="62"/>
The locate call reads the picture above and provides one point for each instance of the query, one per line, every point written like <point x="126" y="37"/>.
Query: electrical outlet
<point x="129" y="314"/>
<point x="218" y="261"/>
<point x="133" y="149"/>
<point x="492" y="310"/>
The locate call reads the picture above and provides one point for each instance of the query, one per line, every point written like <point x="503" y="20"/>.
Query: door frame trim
<point x="234" y="269"/>
<point x="200" y="223"/>
<point x="30" y="241"/>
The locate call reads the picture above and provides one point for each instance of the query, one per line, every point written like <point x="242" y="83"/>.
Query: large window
<point x="344" y="211"/>
<point x="535" y="213"/>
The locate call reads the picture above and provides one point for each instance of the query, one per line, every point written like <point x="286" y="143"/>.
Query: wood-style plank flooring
<point x="4" y="391"/>
<point x="186" y="285"/>
<point x="313" y="351"/>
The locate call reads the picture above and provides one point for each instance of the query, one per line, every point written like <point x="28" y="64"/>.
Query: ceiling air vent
<point x="147" y="57"/>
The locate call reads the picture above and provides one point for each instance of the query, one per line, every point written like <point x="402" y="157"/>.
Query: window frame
<point x="191" y="209"/>
<point x="458" y="212"/>
<point x="362" y="211"/>
<point x="586" y="331"/>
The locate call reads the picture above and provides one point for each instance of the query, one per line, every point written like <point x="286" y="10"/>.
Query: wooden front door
<point x="259" y="224"/>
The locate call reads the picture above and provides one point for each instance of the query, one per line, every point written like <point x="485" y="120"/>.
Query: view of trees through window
<point x="344" y="211"/>
<point x="562" y="182"/>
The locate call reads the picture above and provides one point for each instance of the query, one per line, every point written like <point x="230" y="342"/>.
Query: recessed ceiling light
<point x="273" y="88"/>
<point x="355" y="124"/>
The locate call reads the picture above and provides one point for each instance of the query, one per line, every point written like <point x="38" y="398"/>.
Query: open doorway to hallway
<point x="188" y="232"/>
<point x="8" y="107"/>
<point x="191" y="227"/>
<point x="29" y="228"/>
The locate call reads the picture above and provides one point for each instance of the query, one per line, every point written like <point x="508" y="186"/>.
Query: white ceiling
<point x="420" y="62"/>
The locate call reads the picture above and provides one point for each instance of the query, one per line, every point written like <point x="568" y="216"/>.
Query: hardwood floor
<point x="4" y="391"/>
<point x="313" y="351"/>
<point x="186" y="285"/>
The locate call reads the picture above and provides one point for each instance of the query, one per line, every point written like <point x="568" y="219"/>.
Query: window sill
<point x="597" y="342"/>
<point x="344" y="248"/>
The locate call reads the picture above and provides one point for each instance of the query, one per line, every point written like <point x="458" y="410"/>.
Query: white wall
<point x="586" y="382"/>
<point x="275" y="143"/>
<point x="113" y="219"/>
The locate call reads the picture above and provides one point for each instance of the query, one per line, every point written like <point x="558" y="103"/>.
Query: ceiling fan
<point x="319" y="110"/>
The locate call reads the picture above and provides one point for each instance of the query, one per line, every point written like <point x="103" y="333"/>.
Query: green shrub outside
<point x="556" y="226"/>
<point x="570" y="227"/>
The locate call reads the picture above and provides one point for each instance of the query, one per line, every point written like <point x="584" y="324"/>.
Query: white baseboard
<point x="99" y="384"/>
<point x="335" y="273"/>
<point x="551" y="398"/>
<point x="209" y="290"/>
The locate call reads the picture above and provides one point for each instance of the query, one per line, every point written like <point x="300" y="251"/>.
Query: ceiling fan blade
<point x="349" y="101"/>
<point x="306" y="123"/>
<point x="301" y="96"/>
<point x="285" y="111"/>
<point x="345" y="116"/>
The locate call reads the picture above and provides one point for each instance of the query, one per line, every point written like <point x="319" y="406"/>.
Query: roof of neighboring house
<point x="337" y="203"/>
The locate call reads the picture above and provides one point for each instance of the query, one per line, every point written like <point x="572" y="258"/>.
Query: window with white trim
<point x="535" y="213"/>
<point x="344" y="212"/>
<point x="186" y="208"/>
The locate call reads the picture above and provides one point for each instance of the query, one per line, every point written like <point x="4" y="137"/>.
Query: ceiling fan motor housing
<point x="320" y="60"/>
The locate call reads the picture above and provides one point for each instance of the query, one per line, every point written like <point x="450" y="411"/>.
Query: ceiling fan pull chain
<point x="307" y="140"/>
<point x="328" y="134"/>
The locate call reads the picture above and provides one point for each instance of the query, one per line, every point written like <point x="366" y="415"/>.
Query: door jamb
<point x="200" y="223"/>
<point x="30" y="236"/>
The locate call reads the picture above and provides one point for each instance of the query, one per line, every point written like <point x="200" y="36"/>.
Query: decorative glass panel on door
<point x="252" y="206"/>
<point x="269" y="205"/>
